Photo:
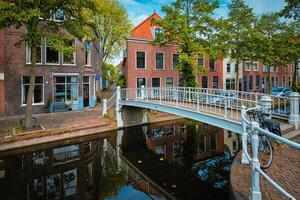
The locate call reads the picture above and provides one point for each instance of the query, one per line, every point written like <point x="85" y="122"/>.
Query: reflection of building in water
<point x="58" y="173"/>
<point x="231" y="140"/>
<point x="167" y="140"/>
<point x="209" y="141"/>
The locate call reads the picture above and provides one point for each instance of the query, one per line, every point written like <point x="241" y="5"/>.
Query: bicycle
<point x="265" y="147"/>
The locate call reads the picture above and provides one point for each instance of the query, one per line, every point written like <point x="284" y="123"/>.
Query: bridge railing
<point x="280" y="104"/>
<point x="254" y="129"/>
<point x="224" y="105"/>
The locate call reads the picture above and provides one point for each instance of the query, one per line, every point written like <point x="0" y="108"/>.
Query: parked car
<point x="281" y="91"/>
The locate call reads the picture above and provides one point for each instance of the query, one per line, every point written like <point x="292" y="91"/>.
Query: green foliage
<point x="292" y="9"/>
<point x="111" y="25"/>
<point x="187" y="24"/>
<point x="110" y="72"/>
<point x="121" y="81"/>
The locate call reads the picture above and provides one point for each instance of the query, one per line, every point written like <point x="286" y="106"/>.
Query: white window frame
<point x="210" y="136"/>
<point x="215" y="65"/>
<point x="173" y="61"/>
<point x="228" y="72"/>
<point x="265" y="68"/>
<point x="152" y="81"/>
<point x="246" y="63"/>
<point x="65" y="83"/>
<point x="138" y="78"/>
<point x="90" y="52"/>
<point x="58" y="63"/>
<point x="203" y="57"/>
<point x="145" y="61"/>
<point x="271" y="68"/>
<point x="255" y="63"/>
<point x="172" y="81"/>
<point x="54" y="14"/>
<point x="28" y="52"/>
<point x="163" y="61"/>
<point x="74" y="55"/>
<point x="22" y="93"/>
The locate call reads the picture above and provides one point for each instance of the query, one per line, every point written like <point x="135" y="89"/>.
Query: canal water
<point x="180" y="159"/>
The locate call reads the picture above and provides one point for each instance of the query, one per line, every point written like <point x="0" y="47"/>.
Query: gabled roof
<point x="143" y="30"/>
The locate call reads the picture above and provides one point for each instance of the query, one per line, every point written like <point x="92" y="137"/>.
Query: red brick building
<point x="155" y="66"/>
<point x="255" y="76"/>
<point x="62" y="81"/>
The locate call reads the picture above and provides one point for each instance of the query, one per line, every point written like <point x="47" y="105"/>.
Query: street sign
<point x="97" y="77"/>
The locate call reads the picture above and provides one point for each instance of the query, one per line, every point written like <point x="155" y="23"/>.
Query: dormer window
<point x="59" y="15"/>
<point x="156" y="31"/>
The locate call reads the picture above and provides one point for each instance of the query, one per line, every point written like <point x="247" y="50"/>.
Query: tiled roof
<point x="143" y="30"/>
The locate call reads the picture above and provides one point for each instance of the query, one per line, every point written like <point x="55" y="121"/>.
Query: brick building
<point x="155" y="66"/>
<point x="62" y="81"/>
<point x="255" y="76"/>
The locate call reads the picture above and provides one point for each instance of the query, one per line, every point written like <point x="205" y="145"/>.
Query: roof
<point x="143" y="30"/>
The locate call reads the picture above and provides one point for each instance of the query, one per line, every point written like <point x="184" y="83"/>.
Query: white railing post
<point x="198" y="102"/>
<point x="160" y="93"/>
<point x="294" y="109"/>
<point x="255" y="193"/>
<point x="206" y="99"/>
<point x="244" y="137"/>
<point x="142" y="92"/>
<point x="266" y="104"/>
<point x="176" y="96"/>
<point x="118" y="109"/>
<point x="225" y="108"/>
<point x="104" y="108"/>
<point x="189" y="94"/>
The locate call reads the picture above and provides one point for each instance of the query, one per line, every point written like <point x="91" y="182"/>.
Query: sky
<point x="138" y="10"/>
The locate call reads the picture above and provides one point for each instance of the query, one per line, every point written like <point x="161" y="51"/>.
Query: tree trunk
<point x="28" y="114"/>
<point x="270" y="81"/>
<point x="294" y="83"/>
<point x="237" y="75"/>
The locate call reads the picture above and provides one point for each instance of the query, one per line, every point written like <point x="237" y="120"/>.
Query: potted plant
<point x="69" y="105"/>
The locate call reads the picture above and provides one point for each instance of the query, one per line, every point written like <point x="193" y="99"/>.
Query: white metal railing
<point x="254" y="129"/>
<point x="108" y="103"/>
<point x="227" y="106"/>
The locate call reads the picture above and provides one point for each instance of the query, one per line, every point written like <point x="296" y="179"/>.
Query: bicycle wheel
<point x="265" y="152"/>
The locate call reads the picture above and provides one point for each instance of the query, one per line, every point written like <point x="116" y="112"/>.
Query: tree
<point x="35" y="16"/>
<point x="111" y="26"/>
<point x="187" y="24"/>
<point x="291" y="10"/>
<point x="110" y="73"/>
<point x="267" y="39"/>
<point x="238" y="28"/>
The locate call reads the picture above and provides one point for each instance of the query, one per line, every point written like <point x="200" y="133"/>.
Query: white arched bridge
<point x="222" y="108"/>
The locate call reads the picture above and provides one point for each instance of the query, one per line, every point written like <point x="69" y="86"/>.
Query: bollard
<point x="294" y="109"/>
<point x="266" y="104"/>
<point x="104" y="109"/>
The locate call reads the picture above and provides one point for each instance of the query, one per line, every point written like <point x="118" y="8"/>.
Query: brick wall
<point x="16" y="67"/>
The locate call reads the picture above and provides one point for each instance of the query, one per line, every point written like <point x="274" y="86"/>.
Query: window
<point x="157" y="32"/>
<point x="38" y="54"/>
<point x="213" y="141"/>
<point x="177" y="149"/>
<point x="289" y="81"/>
<point x="70" y="58"/>
<point x="52" y="55"/>
<point x="247" y="65"/>
<point x="201" y="60"/>
<point x="66" y="153"/>
<point x="229" y="134"/>
<point x="212" y="66"/>
<point x="169" y="82"/>
<point x="276" y="69"/>
<point x="38" y="94"/>
<point x="234" y="146"/>
<point x="87" y="53"/>
<point x="38" y="188"/>
<point x="257" y="82"/>
<point x="140" y="82"/>
<point x="70" y="182"/>
<point x="140" y="60"/>
<point x="276" y="81"/>
<point x="204" y="82"/>
<point x="228" y="68"/>
<point x="59" y="15"/>
<point x="273" y="81"/>
<point x="53" y="186"/>
<point x="38" y="159"/>
<point x="236" y="68"/>
<point x="159" y="60"/>
<point x="250" y="82"/>
<point x="265" y="68"/>
<point x="271" y="69"/>
<point x="255" y="66"/>
<point x="155" y="82"/>
<point x="286" y="69"/>
<point x="283" y="81"/>
<point x="65" y="88"/>
<point x="161" y="150"/>
<point x="216" y="82"/>
<point x="175" y="59"/>
<point x="230" y="84"/>
<point x="201" y="144"/>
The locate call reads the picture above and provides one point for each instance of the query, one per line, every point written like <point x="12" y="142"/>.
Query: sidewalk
<point x="285" y="171"/>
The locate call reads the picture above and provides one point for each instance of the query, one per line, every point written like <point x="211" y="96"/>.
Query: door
<point x="155" y="84"/>
<point x="139" y="83"/>
<point x="204" y="82"/>
<point x="86" y="91"/>
<point x="245" y="84"/>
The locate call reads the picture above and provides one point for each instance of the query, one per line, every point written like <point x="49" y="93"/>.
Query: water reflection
<point x="180" y="159"/>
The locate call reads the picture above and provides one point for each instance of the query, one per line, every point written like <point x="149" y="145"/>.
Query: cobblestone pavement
<point x="285" y="171"/>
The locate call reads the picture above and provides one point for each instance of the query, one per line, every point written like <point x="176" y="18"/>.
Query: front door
<point x="86" y="91"/>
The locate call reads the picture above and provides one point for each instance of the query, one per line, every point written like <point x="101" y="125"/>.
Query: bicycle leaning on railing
<point x="265" y="146"/>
